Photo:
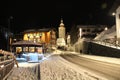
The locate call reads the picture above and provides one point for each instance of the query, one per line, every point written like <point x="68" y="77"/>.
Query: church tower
<point x="62" y="30"/>
<point x="61" y="41"/>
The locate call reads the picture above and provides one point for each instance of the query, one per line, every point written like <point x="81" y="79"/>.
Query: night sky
<point x="29" y="14"/>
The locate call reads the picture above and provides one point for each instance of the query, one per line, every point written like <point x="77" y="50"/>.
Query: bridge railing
<point x="7" y="61"/>
<point x="5" y="67"/>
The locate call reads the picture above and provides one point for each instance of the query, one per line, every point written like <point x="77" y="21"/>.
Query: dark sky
<point x="29" y="14"/>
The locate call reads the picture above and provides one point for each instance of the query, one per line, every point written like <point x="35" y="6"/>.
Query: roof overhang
<point x="26" y="43"/>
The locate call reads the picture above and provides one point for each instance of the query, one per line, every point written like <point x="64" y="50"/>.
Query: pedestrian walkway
<point x="100" y="58"/>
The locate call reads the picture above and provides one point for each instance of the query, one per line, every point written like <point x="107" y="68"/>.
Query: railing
<point x="7" y="62"/>
<point x="109" y="43"/>
<point x="5" y="67"/>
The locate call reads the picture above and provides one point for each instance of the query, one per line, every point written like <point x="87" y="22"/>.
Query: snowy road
<point x="110" y="71"/>
<point x="57" y="68"/>
<point x="67" y="67"/>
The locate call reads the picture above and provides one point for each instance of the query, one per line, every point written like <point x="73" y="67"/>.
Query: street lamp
<point x="9" y="20"/>
<point x="80" y="33"/>
<point x="9" y="33"/>
<point x="113" y="13"/>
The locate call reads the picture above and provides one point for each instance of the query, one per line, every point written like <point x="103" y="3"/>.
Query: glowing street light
<point x="80" y="32"/>
<point x="106" y="28"/>
<point x="113" y="13"/>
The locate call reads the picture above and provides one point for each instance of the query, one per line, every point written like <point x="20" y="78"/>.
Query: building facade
<point x="85" y="31"/>
<point x="81" y="33"/>
<point x="45" y="37"/>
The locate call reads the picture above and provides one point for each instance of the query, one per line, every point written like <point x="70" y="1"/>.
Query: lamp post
<point x="9" y="33"/>
<point x="9" y="20"/>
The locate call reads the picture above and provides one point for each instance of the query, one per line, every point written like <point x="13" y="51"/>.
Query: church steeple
<point x="61" y="23"/>
<point x="62" y="39"/>
<point x="62" y="29"/>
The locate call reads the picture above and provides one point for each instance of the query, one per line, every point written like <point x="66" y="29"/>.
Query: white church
<point x="61" y="41"/>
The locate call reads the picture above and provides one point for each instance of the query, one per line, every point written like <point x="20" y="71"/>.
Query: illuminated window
<point x="31" y="49"/>
<point x="18" y="49"/>
<point x="25" y="49"/>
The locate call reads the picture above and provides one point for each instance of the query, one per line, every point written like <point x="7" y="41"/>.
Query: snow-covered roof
<point x="107" y="34"/>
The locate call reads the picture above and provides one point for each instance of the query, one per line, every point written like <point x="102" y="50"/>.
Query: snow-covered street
<point x="50" y="69"/>
<point x="57" y="68"/>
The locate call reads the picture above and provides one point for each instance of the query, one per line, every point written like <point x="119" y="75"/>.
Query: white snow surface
<point x="57" y="68"/>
